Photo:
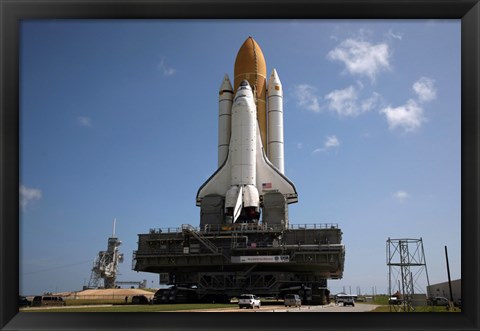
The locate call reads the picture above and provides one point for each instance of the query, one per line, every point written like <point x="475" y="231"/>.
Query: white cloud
<point x="361" y="57"/>
<point x="330" y="142"/>
<point x="299" y="145"/>
<point x="345" y="102"/>
<point x="306" y="98"/>
<point x="401" y="196"/>
<point x="393" y="35"/>
<point x="409" y="116"/>
<point x="425" y="89"/>
<point x="84" y="121"/>
<point x="28" y="195"/>
<point x="370" y="103"/>
<point x="167" y="70"/>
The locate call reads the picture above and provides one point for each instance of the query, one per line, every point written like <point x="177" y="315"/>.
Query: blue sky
<point x="119" y="119"/>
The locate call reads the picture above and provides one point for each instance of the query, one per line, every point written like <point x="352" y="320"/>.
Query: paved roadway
<point x="332" y="308"/>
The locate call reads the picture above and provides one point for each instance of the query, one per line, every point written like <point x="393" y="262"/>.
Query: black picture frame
<point x="12" y="12"/>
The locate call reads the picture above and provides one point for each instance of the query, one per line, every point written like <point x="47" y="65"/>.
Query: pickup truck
<point x="248" y="301"/>
<point x="394" y="301"/>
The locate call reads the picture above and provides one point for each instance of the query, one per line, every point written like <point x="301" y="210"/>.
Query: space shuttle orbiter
<point x="250" y="176"/>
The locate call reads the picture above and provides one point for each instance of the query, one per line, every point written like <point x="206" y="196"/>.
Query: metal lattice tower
<point x="105" y="266"/>
<point x="407" y="267"/>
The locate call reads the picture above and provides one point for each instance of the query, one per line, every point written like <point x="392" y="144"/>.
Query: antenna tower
<point x="407" y="268"/>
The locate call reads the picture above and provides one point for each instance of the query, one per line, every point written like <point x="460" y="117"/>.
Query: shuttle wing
<point x="218" y="183"/>
<point x="269" y="178"/>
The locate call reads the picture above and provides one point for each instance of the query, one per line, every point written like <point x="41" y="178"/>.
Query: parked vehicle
<point x="340" y="297"/>
<point x="439" y="301"/>
<point x="348" y="301"/>
<point x="394" y="301"/>
<point x="292" y="300"/>
<point x="248" y="301"/>
<point x="140" y="300"/>
<point x="23" y="302"/>
<point x="48" y="300"/>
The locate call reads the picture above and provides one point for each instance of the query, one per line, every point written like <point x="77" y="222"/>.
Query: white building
<point x="443" y="290"/>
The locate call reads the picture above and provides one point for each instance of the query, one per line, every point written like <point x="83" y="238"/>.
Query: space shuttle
<point x="250" y="180"/>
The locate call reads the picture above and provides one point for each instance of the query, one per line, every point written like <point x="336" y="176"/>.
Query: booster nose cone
<point x="226" y="85"/>
<point x="274" y="84"/>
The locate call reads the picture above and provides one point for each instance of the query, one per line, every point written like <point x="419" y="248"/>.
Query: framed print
<point x="312" y="157"/>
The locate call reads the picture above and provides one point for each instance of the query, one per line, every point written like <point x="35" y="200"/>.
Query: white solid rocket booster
<point x="275" y="121"/>
<point x="225" y="99"/>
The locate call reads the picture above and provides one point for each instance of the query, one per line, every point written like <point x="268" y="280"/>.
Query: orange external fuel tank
<point x="250" y="65"/>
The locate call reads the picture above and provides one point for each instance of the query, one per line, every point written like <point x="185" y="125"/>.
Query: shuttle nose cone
<point x="244" y="93"/>
<point x="244" y="83"/>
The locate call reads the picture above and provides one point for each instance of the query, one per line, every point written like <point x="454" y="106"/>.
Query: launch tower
<point x="105" y="266"/>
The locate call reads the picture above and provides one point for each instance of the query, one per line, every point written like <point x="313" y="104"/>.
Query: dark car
<point x="292" y="300"/>
<point x="23" y="302"/>
<point x="348" y="301"/>
<point x="48" y="300"/>
<point x="140" y="300"/>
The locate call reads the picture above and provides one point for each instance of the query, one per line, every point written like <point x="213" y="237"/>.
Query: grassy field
<point x="385" y="307"/>
<point x="119" y="306"/>
<point x="424" y="309"/>
<point x="86" y="302"/>
<point x="123" y="308"/>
